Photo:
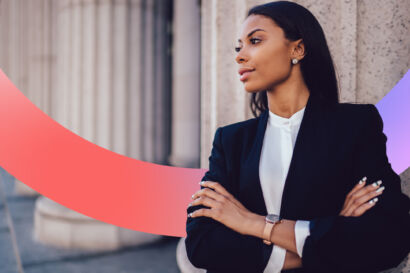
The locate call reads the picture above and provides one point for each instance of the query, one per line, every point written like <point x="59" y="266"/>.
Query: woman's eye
<point x="254" y="39"/>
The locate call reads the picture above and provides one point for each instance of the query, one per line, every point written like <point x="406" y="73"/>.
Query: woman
<point x="265" y="206"/>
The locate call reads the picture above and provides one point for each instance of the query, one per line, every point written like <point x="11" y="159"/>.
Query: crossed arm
<point x="223" y="207"/>
<point x="375" y="241"/>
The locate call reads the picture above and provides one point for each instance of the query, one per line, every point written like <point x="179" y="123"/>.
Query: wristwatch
<point x="270" y="221"/>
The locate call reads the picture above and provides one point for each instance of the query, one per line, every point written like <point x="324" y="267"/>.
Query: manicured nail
<point x="375" y="184"/>
<point x="362" y="180"/>
<point x="201" y="183"/>
<point x="374" y="200"/>
<point x="379" y="182"/>
<point x="192" y="197"/>
<point x="189" y="215"/>
<point x="190" y="204"/>
<point x="380" y="189"/>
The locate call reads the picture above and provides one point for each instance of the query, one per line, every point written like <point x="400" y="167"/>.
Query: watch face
<point x="272" y="218"/>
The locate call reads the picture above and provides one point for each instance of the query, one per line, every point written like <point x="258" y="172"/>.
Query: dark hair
<point x="317" y="66"/>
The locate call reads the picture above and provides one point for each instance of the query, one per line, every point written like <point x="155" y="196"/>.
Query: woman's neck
<point x="288" y="98"/>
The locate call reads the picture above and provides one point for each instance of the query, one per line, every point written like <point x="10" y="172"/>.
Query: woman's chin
<point x="251" y="89"/>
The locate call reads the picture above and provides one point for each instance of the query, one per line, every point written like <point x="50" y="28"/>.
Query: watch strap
<point x="267" y="232"/>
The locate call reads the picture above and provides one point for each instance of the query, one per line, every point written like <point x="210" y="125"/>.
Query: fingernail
<point x="201" y="183"/>
<point x="362" y="180"/>
<point x="380" y="189"/>
<point x="192" y="197"/>
<point x="379" y="182"/>
<point x="189" y="215"/>
<point x="375" y="184"/>
<point x="374" y="200"/>
<point x="190" y="204"/>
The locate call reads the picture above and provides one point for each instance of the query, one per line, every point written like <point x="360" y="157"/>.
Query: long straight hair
<point x="317" y="66"/>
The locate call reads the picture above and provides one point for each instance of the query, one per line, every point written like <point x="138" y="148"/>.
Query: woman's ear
<point x="298" y="49"/>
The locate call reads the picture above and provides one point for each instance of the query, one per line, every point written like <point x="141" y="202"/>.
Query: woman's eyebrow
<point x="252" y="32"/>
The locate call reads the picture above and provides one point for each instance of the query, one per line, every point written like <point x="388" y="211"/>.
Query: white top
<point x="277" y="150"/>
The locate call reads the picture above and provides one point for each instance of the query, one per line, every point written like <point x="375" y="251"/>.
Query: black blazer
<point x="336" y="146"/>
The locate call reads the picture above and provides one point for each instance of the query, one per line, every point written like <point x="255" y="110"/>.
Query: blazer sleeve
<point x="380" y="238"/>
<point x="212" y="245"/>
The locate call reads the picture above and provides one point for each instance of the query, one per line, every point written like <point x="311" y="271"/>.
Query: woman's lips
<point x="245" y="75"/>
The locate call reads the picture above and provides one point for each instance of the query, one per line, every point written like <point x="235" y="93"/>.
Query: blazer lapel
<point x="307" y="143"/>
<point x="250" y="184"/>
<point x="308" y="158"/>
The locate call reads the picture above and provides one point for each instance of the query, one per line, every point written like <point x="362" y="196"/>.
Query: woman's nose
<point x="240" y="57"/>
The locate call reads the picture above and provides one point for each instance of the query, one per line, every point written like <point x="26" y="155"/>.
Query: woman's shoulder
<point x="240" y="128"/>
<point x="354" y="109"/>
<point x="239" y="134"/>
<point x="356" y="112"/>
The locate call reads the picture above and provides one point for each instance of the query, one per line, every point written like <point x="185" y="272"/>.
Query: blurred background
<point x="152" y="80"/>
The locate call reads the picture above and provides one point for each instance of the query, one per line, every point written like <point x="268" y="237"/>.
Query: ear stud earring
<point x="295" y="61"/>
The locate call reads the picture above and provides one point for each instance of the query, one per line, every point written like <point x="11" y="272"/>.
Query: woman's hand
<point x="357" y="200"/>
<point x="223" y="207"/>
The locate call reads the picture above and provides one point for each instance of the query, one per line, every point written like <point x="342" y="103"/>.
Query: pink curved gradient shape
<point x="87" y="178"/>
<point x="123" y="191"/>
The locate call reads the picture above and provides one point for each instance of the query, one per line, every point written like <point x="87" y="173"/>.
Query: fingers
<point x="370" y="195"/>
<point x="204" y="200"/>
<point x="366" y="206"/>
<point x="201" y="198"/>
<point x="201" y="212"/>
<point x="220" y="189"/>
<point x="367" y="189"/>
<point x="216" y="186"/>
<point x="361" y="199"/>
<point x="206" y="197"/>
<point x="357" y="187"/>
<point x="354" y="199"/>
<point x="209" y="193"/>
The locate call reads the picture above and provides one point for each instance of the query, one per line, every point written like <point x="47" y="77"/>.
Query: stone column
<point x="112" y="89"/>
<point x="223" y="99"/>
<point x="27" y="54"/>
<point x="186" y="84"/>
<point x="186" y="98"/>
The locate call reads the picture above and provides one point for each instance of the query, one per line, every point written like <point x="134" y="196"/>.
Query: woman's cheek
<point x="269" y="78"/>
<point x="278" y="72"/>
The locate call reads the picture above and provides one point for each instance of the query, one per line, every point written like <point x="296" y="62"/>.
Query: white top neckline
<point x="279" y="121"/>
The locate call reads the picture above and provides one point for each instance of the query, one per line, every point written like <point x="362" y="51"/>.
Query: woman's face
<point x="266" y="52"/>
